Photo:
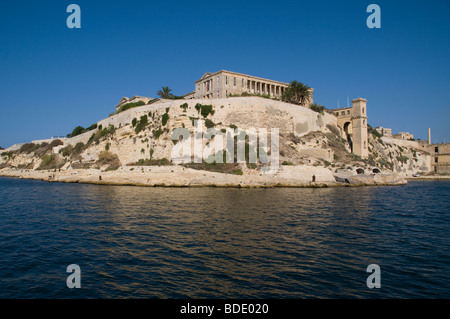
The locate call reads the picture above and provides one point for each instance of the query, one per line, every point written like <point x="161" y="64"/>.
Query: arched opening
<point x="347" y="134"/>
<point x="359" y="171"/>
<point x="376" y="171"/>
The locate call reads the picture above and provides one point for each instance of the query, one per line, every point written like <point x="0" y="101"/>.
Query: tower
<point x="359" y="127"/>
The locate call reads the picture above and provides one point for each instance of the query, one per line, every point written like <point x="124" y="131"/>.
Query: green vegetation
<point x="205" y="110"/>
<point x="297" y="93"/>
<point x="287" y="163"/>
<point x="157" y="133"/>
<point x="237" y="171"/>
<point x="100" y="133"/>
<point x="152" y="101"/>
<point x="372" y="131"/>
<point x="209" y="123"/>
<point x="245" y="94"/>
<point x="233" y="126"/>
<point x="165" y="118"/>
<point x="80" y="130"/>
<point x="152" y="162"/>
<point x="110" y="159"/>
<point x="50" y="162"/>
<point x="402" y="159"/>
<point x="130" y="105"/>
<point x="317" y="108"/>
<point x="141" y="124"/>
<point x="134" y="122"/>
<point x="184" y="106"/>
<point x="165" y="93"/>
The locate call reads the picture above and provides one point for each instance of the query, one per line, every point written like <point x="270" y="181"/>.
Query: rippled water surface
<point x="138" y="242"/>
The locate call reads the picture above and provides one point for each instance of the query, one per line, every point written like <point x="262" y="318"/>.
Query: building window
<point x="348" y="112"/>
<point x="243" y="83"/>
<point x="234" y="81"/>
<point x="436" y="149"/>
<point x="436" y="159"/>
<point x="217" y="94"/>
<point x="364" y="122"/>
<point x="365" y="146"/>
<point x="343" y="113"/>
<point x="435" y="169"/>
<point x="226" y="93"/>
<point x="226" y="79"/>
<point x="363" y="110"/>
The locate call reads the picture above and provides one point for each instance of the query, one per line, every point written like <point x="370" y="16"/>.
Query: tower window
<point x="226" y="79"/>
<point x="436" y="149"/>
<point x="234" y="81"/>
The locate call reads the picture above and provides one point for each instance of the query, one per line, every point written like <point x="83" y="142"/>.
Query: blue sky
<point x="53" y="78"/>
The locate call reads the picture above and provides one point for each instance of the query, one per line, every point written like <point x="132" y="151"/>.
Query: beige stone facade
<point x="440" y="157"/>
<point x="353" y="122"/>
<point x="404" y="136"/>
<point x="384" y="131"/>
<point x="223" y="83"/>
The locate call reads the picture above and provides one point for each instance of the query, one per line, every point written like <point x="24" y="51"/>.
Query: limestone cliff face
<point x="141" y="136"/>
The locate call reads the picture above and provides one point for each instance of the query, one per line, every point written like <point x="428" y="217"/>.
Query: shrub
<point x="28" y="148"/>
<point x="237" y="171"/>
<point x="76" y="131"/>
<point x="233" y="126"/>
<point x="165" y="118"/>
<point x="78" y="149"/>
<point x="152" y="101"/>
<point x="133" y="122"/>
<point x="317" y="108"/>
<point x="372" y="131"/>
<point x="80" y="130"/>
<point x="184" y="106"/>
<point x="108" y="158"/>
<point x="209" y="123"/>
<point x="402" y="159"/>
<point x="287" y="163"/>
<point x="66" y="151"/>
<point x="128" y="106"/>
<point x="49" y="162"/>
<point x="205" y="110"/>
<point x="157" y="133"/>
<point x="141" y="124"/>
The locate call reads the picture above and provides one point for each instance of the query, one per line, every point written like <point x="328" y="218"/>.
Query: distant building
<point x="404" y="136"/>
<point x="384" y="131"/>
<point x="440" y="157"/>
<point x="223" y="83"/>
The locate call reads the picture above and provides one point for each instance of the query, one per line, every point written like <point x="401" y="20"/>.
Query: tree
<point x="165" y="93"/>
<point x="297" y="93"/>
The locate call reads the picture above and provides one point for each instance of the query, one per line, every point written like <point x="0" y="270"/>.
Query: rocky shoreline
<point x="176" y="176"/>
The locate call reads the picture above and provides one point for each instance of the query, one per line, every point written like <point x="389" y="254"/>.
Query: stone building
<point x="353" y="122"/>
<point x="440" y="157"/>
<point x="404" y="136"/>
<point x="223" y="83"/>
<point x="384" y="131"/>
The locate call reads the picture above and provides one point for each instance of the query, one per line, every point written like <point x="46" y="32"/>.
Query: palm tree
<point x="297" y="92"/>
<point x="165" y="93"/>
